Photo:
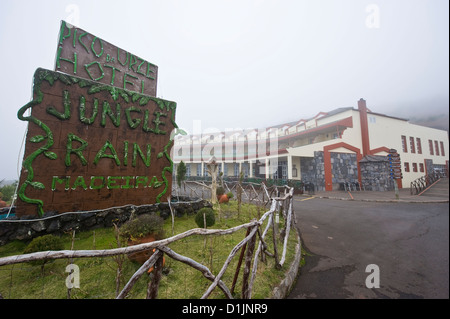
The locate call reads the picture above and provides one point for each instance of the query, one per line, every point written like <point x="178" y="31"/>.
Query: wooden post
<point x="143" y="269"/>
<point x="274" y="237"/>
<point x="153" y="286"/>
<point x="246" y="289"/>
<point x="238" y="267"/>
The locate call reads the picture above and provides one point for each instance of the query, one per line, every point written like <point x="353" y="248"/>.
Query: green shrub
<point x="43" y="243"/>
<point x="209" y="216"/>
<point x="230" y="195"/>
<point x="142" y="226"/>
<point x="220" y="191"/>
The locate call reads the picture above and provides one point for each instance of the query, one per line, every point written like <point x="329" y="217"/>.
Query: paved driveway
<point x="409" y="242"/>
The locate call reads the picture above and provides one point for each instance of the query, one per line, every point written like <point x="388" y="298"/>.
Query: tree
<point x="181" y="173"/>
<point x="7" y="191"/>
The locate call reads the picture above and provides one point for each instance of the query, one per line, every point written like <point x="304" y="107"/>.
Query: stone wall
<point x="312" y="170"/>
<point x="344" y="168"/>
<point x="29" y="227"/>
<point x="375" y="174"/>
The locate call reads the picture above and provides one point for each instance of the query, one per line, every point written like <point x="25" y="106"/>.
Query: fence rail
<point x="283" y="201"/>
<point x="419" y="184"/>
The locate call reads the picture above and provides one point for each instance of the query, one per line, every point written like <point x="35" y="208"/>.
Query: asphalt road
<point x="409" y="242"/>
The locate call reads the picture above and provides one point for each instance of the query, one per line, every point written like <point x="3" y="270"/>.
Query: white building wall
<point x="388" y="132"/>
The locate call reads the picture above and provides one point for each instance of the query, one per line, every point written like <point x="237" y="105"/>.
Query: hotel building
<point x="345" y="145"/>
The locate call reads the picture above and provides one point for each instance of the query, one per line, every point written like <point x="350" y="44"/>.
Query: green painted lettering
<point x="79" y="182"/>
<point x="112" y="180"/>
<point x="59" y="59"/>
<point x="149" y="71"/>
<point x="125" y="80"/>
<point x="82" y="109"/>
<point x="108" y="111"/>
<point x="125" y="153"/>
<point x="64" y="180"/>
<point x="136" y="150"/>
<point x="63" y="36"/>
<point x="100" y="70"/>
<point x="118" y="57"/>
<point x="66" y="104"/>
<point x="113" y="75"/>
<point x="93" y="179"/>
<point x="138" y="71"/>
<point x="101" y="47"/>
<point x="141" y="180"/>
<point x="81" y="42"/>
<point x="78" y="151"/>
<point x="133" y="61"/>
<point x="102" y="153"/>
<point x="157" y="122"/>
<point x="127" y="180"/>
<point x="133" y="123"/>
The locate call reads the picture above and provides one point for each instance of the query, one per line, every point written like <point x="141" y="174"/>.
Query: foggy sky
<point x="244" y="64"/>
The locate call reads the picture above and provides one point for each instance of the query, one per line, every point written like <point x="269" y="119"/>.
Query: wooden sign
<point x="395" y="171"/>
<point x="84" y="55"/>
<point x="93" y="146"/>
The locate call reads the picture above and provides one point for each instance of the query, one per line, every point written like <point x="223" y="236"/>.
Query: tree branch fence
<point x="282" y="203"/>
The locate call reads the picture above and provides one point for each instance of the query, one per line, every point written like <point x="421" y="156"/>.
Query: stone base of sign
<point x="29" y="227"/>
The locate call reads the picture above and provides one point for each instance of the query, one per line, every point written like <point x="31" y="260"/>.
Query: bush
<point x="220" y="191"/>
<point x="181" y="173"/>
<point x="209" y="216"/>
<point x="142" y="226"/>
<point x="230" y="195"/>
<point x="43" y="243"/>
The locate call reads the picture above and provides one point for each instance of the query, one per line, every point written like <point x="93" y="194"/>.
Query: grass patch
<point x="179" y="281"/>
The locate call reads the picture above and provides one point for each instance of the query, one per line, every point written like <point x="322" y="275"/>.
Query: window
<point x="406" y="167"/>
<point x="421" y="167"/>
<point x="419" y="146"/>
<point x="430" y="144"/>
<point x="404" y="146"/>
<point x="436" y="145"/>
<point x="412" y="145"/>
<point x="188" y="170"/>
<point x="442" y="149"/>
<point x="236" y="169"/>
<point x="372" y="119"/>
<point x="414" y="167"/>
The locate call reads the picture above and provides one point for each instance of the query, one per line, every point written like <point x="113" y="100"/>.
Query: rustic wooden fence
<point x="251" y="192"/>
<point x="255" y="238"/>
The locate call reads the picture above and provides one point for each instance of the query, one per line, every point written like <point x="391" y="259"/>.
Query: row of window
<point x="415" y="144"/>
<point x="414" y="167"/>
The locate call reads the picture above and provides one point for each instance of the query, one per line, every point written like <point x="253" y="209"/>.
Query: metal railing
<point x="421" y="183"/>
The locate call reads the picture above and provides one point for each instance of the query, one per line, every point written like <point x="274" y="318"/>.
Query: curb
<point x="384" y="200"/>
<point x="282" y="290"/>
